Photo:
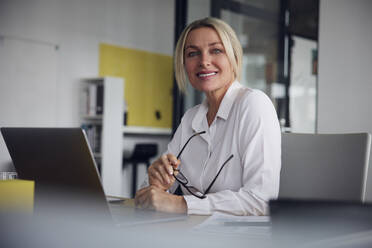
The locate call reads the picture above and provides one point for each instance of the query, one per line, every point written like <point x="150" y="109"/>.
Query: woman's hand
<point x="152" y="197"/>
<point x="161" y="171"/>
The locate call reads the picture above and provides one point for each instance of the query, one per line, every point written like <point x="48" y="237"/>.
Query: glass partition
<point x="279" y="40"/>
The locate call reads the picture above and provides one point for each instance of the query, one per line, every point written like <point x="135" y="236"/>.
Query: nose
<point x="205" y="59"/>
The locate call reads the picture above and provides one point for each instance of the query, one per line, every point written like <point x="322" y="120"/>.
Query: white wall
<point x="345" y="74"/>
<point x="77" y="27"/>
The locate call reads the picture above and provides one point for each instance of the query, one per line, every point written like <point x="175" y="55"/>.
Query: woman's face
<point x="206" y="62"/>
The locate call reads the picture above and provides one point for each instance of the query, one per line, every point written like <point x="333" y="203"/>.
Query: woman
<point x="232" y="162"/>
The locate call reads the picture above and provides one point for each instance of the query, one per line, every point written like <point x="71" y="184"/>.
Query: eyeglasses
<point x="181" y="179"/>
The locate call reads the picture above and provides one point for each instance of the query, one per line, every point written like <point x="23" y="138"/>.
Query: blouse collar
<point x="223" y="110"/>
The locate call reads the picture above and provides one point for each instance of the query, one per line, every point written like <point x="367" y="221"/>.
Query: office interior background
<point x="311" y="57"/>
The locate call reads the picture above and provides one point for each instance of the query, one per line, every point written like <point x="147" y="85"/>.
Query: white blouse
<point x="246" y="126"/>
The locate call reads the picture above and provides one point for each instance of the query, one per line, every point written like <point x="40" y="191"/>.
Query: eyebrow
<point x="210" y="44"/>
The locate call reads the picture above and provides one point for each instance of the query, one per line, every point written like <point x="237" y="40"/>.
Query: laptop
<point x="66" y="177"/>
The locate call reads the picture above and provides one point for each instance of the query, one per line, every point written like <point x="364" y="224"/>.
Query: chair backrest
<point x="324" y="166"/>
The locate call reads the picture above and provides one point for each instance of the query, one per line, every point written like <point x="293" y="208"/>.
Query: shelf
<point x="146" y="130"/>
<point x="93" y="117"/>
<point x="96" y="80"/>
<point x="104" y="131"/>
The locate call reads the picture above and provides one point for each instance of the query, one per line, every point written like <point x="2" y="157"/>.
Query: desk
<point x="72" y="231"/>
<point x="61" y="233"/>
<point x="69" y="231"/>
<point x="184" y="234"/>
<point x="185" y="224"/>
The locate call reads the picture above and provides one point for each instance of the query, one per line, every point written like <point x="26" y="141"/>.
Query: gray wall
<point x="345" y="74"/>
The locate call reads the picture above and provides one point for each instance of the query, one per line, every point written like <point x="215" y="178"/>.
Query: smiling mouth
<point x="203" y="75"/>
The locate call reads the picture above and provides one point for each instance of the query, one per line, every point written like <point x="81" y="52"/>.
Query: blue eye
<point x="217" y="51"/>
<point x="192" y="54"/>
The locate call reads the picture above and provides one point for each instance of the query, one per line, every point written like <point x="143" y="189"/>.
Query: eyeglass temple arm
<point x="183" y="148"/>
<point x="210" y="185"/>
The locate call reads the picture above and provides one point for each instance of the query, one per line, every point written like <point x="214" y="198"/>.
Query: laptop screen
<point x="59" y="160"/>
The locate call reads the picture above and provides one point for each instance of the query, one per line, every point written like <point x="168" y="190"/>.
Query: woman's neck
<point x="214" y="100"/>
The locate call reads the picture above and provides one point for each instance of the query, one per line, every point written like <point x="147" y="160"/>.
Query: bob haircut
<point x="229" y="40"/>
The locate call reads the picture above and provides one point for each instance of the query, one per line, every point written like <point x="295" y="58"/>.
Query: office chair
<point x="141" y="155"/>
<point x="324" y="166"/>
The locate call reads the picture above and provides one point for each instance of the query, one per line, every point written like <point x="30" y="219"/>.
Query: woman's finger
<point x="174" y="162"/>
<point x="153" y="171"/>
<point x="167" y="164"/>
<point x="158" y="173"/>
<point x="162" y="168"/>
<point x="155" y="175"/>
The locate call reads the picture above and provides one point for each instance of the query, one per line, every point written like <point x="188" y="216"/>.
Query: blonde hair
<point x="229" y="40"/>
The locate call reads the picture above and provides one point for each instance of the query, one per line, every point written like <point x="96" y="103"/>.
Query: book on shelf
<point x="94" y="99"/>
<point x="99" y="99"/>
<point x="92" y="96"/>
<point x="94" y="134"/>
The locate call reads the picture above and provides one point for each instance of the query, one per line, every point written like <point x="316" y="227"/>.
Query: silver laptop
<point x="62" y="165"/>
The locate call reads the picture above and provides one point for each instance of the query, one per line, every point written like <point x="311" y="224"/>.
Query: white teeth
<point x="207" y="74"/>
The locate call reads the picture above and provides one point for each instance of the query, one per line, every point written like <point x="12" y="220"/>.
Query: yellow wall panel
<point x="148" y="83"/>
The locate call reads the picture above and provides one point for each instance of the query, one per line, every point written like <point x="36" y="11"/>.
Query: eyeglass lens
<point x="195" y="191"/>
<point x="180" y="177"/>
